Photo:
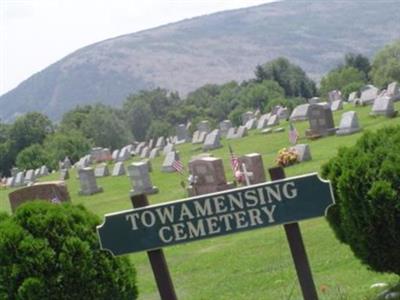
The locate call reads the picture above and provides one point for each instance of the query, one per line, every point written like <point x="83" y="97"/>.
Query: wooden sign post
<point x="283" y="201"/>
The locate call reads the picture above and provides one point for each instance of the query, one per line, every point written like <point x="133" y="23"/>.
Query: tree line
<point x="33" y="140"/>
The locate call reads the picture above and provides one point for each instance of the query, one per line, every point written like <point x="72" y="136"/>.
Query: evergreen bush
<point x="366" y="184"/>
<point x="51" y="251"/>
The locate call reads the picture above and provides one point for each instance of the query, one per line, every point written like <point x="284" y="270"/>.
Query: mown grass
<point x="254" y="264"/>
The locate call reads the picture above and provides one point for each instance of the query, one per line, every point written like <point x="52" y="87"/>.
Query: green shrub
<point x="366" y="183"/>
<point x="51" y="251"/>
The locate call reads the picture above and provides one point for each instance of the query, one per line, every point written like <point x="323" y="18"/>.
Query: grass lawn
<point x="255" y="264"/>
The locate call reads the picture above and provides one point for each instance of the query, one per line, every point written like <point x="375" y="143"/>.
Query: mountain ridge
<point x="215" y="48"/>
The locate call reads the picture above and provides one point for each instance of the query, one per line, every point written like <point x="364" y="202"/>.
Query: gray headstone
<point x="352" y="97"/>
<point x="44" y="171"/>
<point x="348" y="123"/>
<point x="282" y="113"/>
<point x="87" y="180"/>
<point x="168" y="161"/>
<point x="393" y="91"/>
<point x="145" y="152"/>
<point x="212" y="140"/>
<point x="115" y="154"/>
<point x="155" y="152"/>
<point x="10" y="181"/>
<point x="182" y="134"/>
<point x="337" y="105"/>
<point x="160" y="142"/>
<point x="303" y="152"/>
<point x="64" y="174"/>
<point x="251" y="124"/>
<point x="101" y="171"/>
<point x="119" y="169"/>
<point x="29" y="176"/>
<point x="66" y="163"/>
<point x="241" y="132"/>
<point x="124" y="154"/>
<point x="321" y="121"/>
<point x="266" y="130"/>
<point x="300" y="113"/>
<point x="139" y="148"/>
<point x="273" y="121"/>
<point x="334" y="96"/>
<point x="383" y="106"/>
<point x="199" y="137"/>
<point x="19" y="179"/>
<point x="313" y="100"/>
<point x="368" y="95"/>
<point x="37" y="173"/>
<point x="263" y="121"/>
<point x="168" y="148"/>
<point x="224" y="126"/>
<point x="14" y="171"/>
<point x="204" y="126"/>
<point x="248" y="115"/>
<point x="139" y="174"/>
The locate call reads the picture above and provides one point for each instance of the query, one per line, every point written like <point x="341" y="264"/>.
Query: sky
<point x="37" y="33"/>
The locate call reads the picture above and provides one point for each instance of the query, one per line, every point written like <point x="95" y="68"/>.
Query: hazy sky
<point x="36" y="33"/>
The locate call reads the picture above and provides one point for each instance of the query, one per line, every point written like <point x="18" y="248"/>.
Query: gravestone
<point x="254" y="164"/>
<point x="383" y="106"/>
<point x="352" y="97"/>
<point x="251" y="124"/>
<point x="168" y="148"/>
<point x="129" y="147"/>
<point x="115" y="155"/>
<point x="19" y="179"/>
<point x="266" y="130"/>
<point x="393" y="91"/>
<point x="224" y="127"/>
<point x="300" y="113"/>
<point x="44" y="171"/>
<point x="321" y="121"/>
<point x="37" y="173"/>
<point x="263" y="121"/>
<point x="248" y="115"/>
<point x="52" y="191"/>
<point x="334" y="96"/>
<point x="199" y="137"/>
<point x="14" y="171"/>
<point x="145" y="152"/>
<point x="124" y="154"/>
<point x="313" y="100"/>
<point x="83" y="162"/>
<point x="105" y="155"/>
<point x="29" y="176"/>
<point x="139" y="148"/>
<point x="208" y="176"/>
<point x="303" y="152"/>
<point x="150" y="144"/>
<point x="212" y="140"/>
<point x="273" y="121"/>
<point x="160" y="142"/>
<point x="96" y="154"/>
<point x="231" y="133"/>
<point x="87" y="180"/>
<point x="368" y="95"/>
<point x="66" y="163"/>
<point x="337" y="105"/>
<point x="168" y="162"/>
<point x="182" y="134"/>
<point x="155" y="152"/>
<point x="241" y="132"/>
<point x="64" y="174"/>
<point x="203" y="126"/>
<point x="10" y="181"/>
<point x="282" y="113"/>
<point x="279" y="129"/>
<point x="101" y="170"/>
<point x="119" y="169"/>
<point x="348" y="123"/>
<point x="139" y="174"/>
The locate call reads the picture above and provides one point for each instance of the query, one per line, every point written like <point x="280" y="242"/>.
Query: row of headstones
<point x="369" y="93"/>
<point x="21" y="178"/>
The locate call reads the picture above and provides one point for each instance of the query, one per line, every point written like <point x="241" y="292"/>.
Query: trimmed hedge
<point x="366" y="183"/>
<point x="51" y="251"/>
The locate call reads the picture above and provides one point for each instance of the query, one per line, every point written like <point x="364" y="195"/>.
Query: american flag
<point x="234" y="160"/>
<point x="178" y="166"/>
<point x="293" y="135"/>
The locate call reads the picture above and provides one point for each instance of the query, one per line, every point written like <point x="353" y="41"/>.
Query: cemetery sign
<point x="266" y="204"/>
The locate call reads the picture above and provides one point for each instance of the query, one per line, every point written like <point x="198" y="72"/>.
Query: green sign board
<point x="271" y="203"/>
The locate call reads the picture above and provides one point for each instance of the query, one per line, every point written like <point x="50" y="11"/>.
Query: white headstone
<point x="139" y="174"/>
<point x="337" y="105"/>
<point x="348" y="123"/>
<point x="300" y="113"/>
<point x="273" y="121"/>
<point x="384" y="106"/>
<point x="168" y="161"/>
<point x="303" y="152"/>
<point x="87" y="180"/>
<point x="212" y="140"/>
<point x="119" y="169"/>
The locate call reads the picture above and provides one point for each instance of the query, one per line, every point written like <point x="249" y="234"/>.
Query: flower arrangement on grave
<point x="287" y="157"/>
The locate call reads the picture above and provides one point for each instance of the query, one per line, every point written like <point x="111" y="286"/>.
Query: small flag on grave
<point x="293" y="135"/>
<point x="178" y="166"/>
<point x="235" y="166"/>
